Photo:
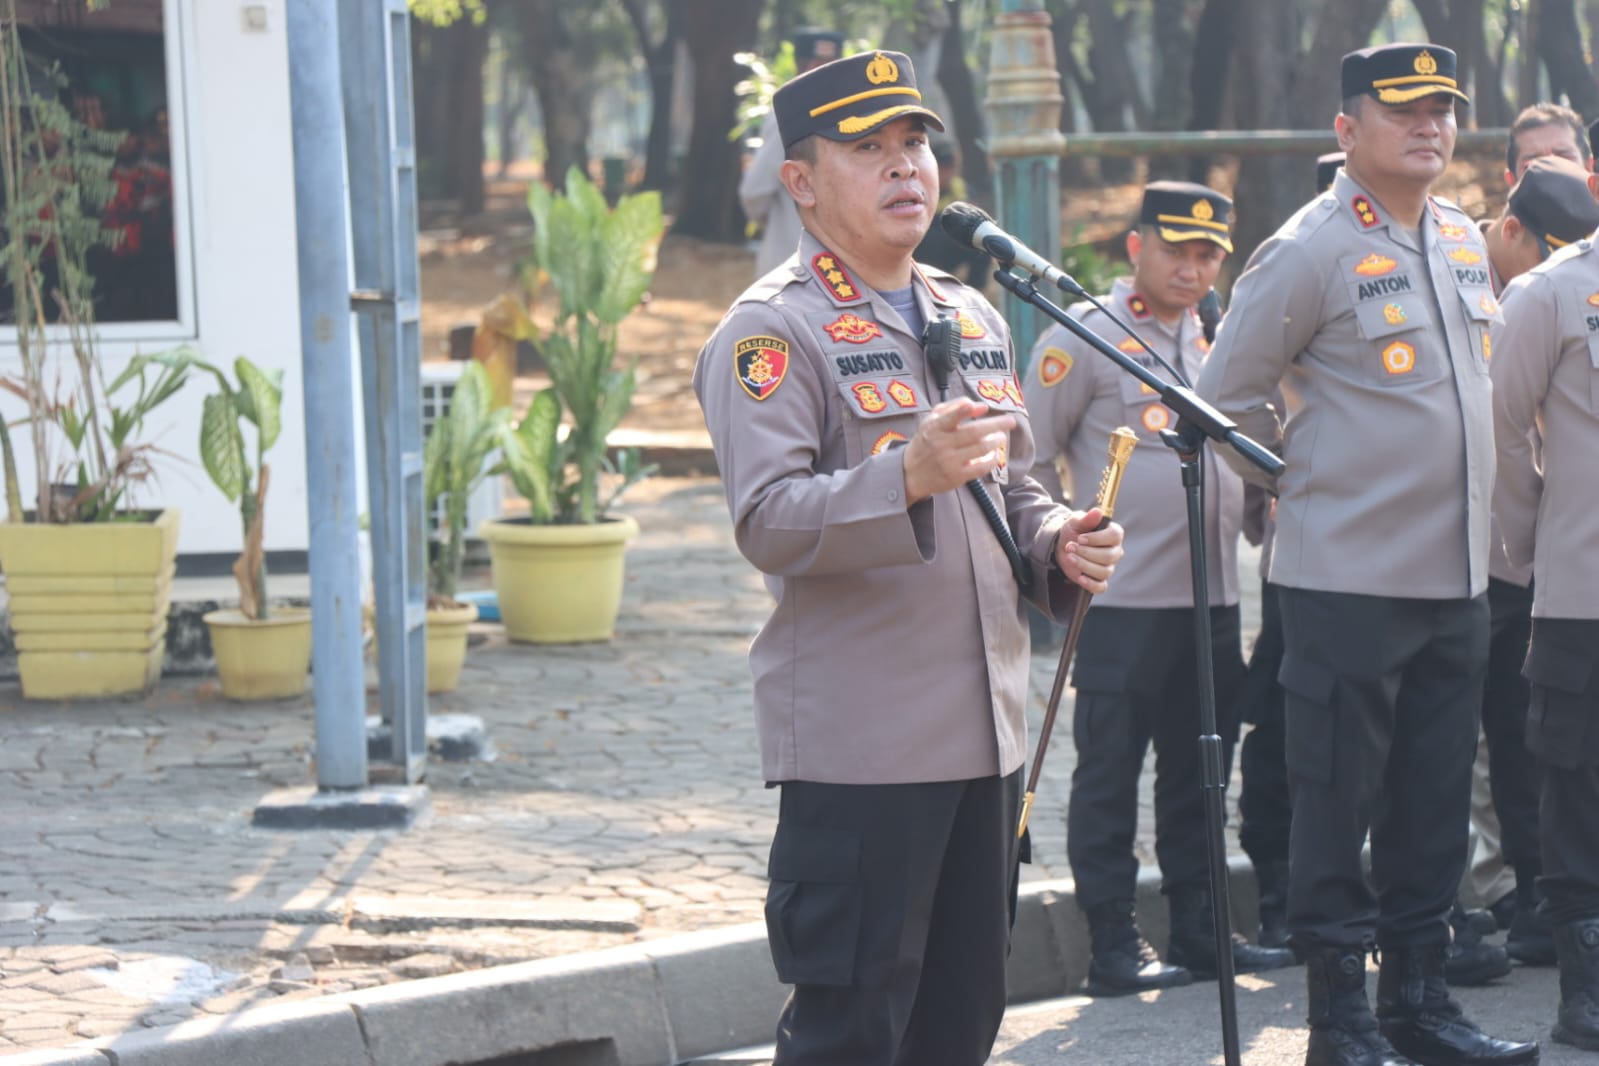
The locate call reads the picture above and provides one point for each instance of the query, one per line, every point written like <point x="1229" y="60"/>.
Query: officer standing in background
<point x="1136" y="675"/>
<point x="892" y="676"/>
<point x="760" y="189"/>
<point x="1542" y="130"/>
<point x="1264" y="801"/>
<point x="1550" y="207"/>
<point x="1545" y="381"/>
<point x="1370" y="309"/>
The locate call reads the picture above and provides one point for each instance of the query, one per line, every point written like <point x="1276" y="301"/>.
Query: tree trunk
<point x="709" y="206"/>
<point x="965" y="115"/>
<point x="1173" y="32"/>
<point x="1210" y="74"/>
<point x="1269" y="187"/>
<point x="512" y="100"/>
<point x="449" y="121"/>
<point x="1458" y="24"/>
<point x="562" y="83"/>
<point x="1109" y="91"/>
<point x="660" y="60"/>
<point x="1560" y="48"/>
<point x="1076" y="171"/>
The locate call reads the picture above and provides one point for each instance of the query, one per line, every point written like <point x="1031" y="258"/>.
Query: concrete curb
<point x="648" y="1004"/>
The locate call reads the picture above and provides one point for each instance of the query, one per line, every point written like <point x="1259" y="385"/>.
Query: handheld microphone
<point x="972" y="226"/>
<point x="1210" y="315"/>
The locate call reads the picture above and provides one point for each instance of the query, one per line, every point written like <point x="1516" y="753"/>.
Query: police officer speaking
<point x="891" y="678"/>
<point x="1370" y="307"/>
<point x="1136" y="675"/>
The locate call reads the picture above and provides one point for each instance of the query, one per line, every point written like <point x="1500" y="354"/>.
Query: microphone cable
<point x="941" y="344"/>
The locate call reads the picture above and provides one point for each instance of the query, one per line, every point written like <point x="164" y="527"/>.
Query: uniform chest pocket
<point x="1593" y="372"/>
<point x="880" y="412"/>
<point x="1399" y="351"/>
<point x="1144" y="411"/>
<point x="1482" y="311"/>
<point x="999" y="391"/>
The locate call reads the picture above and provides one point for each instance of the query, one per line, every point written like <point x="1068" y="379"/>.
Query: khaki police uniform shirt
<point x="1379" y="339"/>
<point x="1546" y="378"/>
<point x="898" y="649"/>
<point x="1076" y="397"/>
<point x="766" y="200"/>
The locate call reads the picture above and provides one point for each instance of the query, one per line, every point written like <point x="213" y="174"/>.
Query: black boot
<point x="1577" y="946"/>
<point x="1469" y="960"/>
<point x="1123" y="962"/>
<point x="1531" y="940"/>
<point x="1272" y="877"/>
<point x="1342" y="1029"/>
<point x="1193" y="940"/>
<point x="1421" y="1021"/>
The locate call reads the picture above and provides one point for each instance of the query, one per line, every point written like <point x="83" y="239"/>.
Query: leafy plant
<point x="255" y="396"/>
<point x="1094" y="270"/>
<point x="455" y="460"/>
<point x="599" y="260"/>
<point x="55" y="177"/>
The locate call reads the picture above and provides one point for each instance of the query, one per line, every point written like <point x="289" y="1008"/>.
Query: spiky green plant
<point x="599" y="261"/>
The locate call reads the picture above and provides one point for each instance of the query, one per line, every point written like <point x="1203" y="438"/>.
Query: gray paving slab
<point x="624" y="778"/>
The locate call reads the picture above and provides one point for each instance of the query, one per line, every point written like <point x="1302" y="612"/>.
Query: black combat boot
<point x="1469" y="960"/>
<point x="1531" y="940"/>
<point x="1193" y="940"/>
<point x="1272" y="877"/>
<point x="1421" y="1021"/>
<point x="1342" y="1029"/>
<point x="1577" y="945"/>
<point x="1123" y="963"/>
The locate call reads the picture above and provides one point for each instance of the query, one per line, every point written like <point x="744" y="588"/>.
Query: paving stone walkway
<point x="623" y="802"/>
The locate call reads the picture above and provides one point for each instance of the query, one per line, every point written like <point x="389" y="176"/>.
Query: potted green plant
<point x="262" y="652"/>
<point x="455" y="460"/>
<point x="89" y="569"/>
<point x="558" y="571"/>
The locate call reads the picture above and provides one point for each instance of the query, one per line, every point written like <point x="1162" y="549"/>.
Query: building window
<point x="116" y="64"/>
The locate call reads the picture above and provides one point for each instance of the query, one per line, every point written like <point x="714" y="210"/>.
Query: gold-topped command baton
<point x="1122" y="443"/>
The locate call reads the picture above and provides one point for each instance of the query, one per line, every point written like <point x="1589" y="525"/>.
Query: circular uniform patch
<point x="1399" y="358"/>
<point x="1053" y="367"/>
<point x="1156" y="417"/>
<point x="887" y="441"/>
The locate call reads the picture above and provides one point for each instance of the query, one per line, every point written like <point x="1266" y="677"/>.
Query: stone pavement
<point x="623" y="803"/>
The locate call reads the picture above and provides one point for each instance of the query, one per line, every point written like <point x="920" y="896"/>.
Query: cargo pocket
<point x="1310" y="717"/>
<point x="813" y="904"/>
<point x="1557" y="712"/>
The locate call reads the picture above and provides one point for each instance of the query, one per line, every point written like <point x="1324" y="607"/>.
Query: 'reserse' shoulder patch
<point x="760" y="363"/>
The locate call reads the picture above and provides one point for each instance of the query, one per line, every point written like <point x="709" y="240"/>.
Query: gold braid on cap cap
<point x="845" y="101"/>
<point x="1188" y="220"/>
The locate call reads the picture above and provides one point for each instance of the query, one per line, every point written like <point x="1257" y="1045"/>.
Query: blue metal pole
<point x="322" y="229"/>
<point x="1024" y="102"/>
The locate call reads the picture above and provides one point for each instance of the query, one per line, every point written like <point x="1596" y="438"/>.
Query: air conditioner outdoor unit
<point x="438" y="385"/>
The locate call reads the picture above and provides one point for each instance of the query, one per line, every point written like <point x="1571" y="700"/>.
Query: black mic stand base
<point x="1187" y="441"/>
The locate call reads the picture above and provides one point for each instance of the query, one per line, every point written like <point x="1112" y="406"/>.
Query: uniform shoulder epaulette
<point x="770" y="284"/>
<point x="1080" y="308"/>
<point x="1450" y="205"/>
<point x="1304" y="223"/>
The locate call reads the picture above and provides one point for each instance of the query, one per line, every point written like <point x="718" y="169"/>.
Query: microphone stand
<point x="1196" y="420"/>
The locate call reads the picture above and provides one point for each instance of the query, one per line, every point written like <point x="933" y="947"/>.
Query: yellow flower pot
<point x="558" y="584"/>
<point x="446" y="643"/>
<point x="89" y="604"/>
<point x="266" y="660"/>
